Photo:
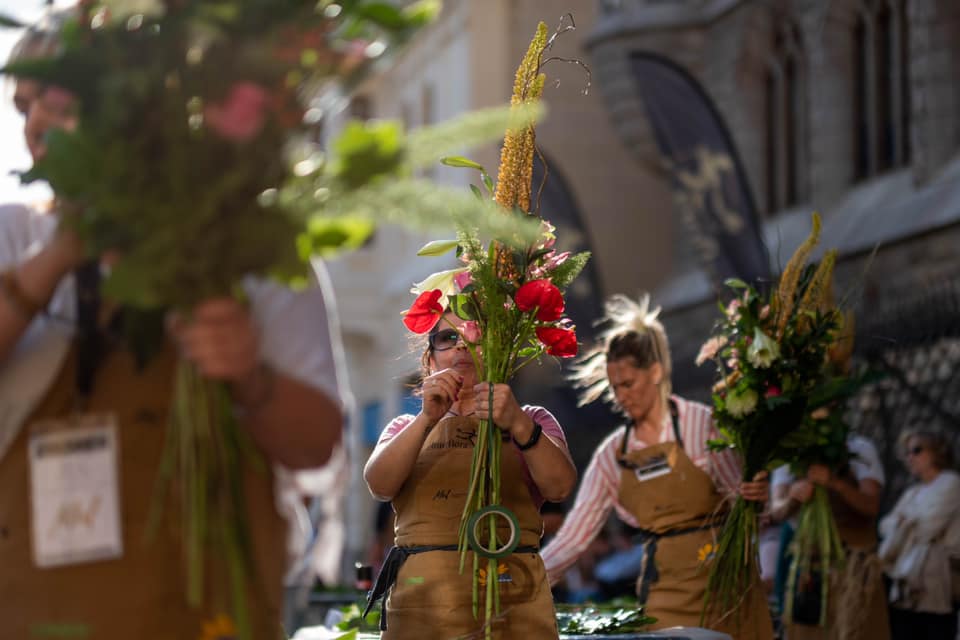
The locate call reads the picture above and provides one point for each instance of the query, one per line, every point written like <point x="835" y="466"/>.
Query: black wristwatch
<point x="534" y="438"/>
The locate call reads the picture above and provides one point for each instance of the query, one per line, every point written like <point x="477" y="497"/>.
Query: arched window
<point x="784" y="114"/>
<point x="881" y="87"/>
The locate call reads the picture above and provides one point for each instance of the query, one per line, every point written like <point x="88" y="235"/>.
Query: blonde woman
<point x="659" y="476"/>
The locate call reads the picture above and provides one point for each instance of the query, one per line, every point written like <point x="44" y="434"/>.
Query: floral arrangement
<point x="771" y="353"/>
<point x="190" y="151"/>
<point x="510" y="294"/>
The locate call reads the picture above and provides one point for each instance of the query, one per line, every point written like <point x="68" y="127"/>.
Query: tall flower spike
<point x="790" y="278"/>
<point x="818" y="296"/>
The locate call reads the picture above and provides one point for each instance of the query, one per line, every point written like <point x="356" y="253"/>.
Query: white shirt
<point x="299" y="338"/>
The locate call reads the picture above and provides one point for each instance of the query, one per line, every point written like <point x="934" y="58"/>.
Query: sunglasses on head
<point x="444" y="339"/>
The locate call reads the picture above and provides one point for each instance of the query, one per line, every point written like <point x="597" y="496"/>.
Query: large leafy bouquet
<point x="510" y="293"/>
<point x="192" y="152"/>
<point x="770" y="351"/>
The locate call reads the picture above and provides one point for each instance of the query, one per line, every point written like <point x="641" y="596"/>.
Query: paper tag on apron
<point x="74" y="490"/>
<point x="653" y="467"/>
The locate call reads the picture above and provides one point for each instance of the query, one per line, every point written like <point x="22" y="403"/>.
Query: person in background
<point x="274" y="354"/>
<point x="921" y="542"/>
<point x="659" y="476"/>
<point x="855" y="608"/>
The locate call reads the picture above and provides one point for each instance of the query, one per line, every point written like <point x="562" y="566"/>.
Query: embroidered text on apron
<point x="677" y="509"/>
<point x="430" y="597"/>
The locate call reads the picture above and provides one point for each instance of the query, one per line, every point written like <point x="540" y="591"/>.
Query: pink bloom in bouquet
<point x="471" y="331"/>
<point x="773" y="391"/>
<point x="462" y="280"/>
<point x="240" y="116"/>
<point x="710" y="349"/>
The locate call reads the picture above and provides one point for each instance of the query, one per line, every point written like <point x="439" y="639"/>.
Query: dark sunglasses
<point x="915" y="451"/>
<point x="443" y="340"/>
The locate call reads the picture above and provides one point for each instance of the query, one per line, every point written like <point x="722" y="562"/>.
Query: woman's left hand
<point x="220" y="338"/>
<point x="507" y="413"/>
<point x="758" y="490"/>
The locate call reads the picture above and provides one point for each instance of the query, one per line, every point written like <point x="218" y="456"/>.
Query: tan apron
<point x="141" y="594"/>
<point x="430" y="597"/>
<point x="856" y="601"/>
<point x="683" y="503"/>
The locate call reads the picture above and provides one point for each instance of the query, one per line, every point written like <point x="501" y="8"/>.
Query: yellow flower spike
<point x="819" y="293"/>
<point x="783" y="301"/>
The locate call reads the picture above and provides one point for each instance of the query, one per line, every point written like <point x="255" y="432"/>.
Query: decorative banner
<point x="710" y="187"/>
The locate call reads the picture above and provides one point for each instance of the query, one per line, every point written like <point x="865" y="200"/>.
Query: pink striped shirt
<point x="546" y="420"/>
<point x="601" y="482"/>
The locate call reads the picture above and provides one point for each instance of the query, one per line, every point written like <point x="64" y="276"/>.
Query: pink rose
<point x="461" y="280"/>
<point x="471" y="331"/>
<point x="240" y="116"/>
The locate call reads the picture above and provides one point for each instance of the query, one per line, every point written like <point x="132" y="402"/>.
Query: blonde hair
<point x="632" y="331"/>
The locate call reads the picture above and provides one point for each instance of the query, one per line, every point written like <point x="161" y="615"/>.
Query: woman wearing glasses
<point x="921" y="542"/>
<point x="659" y="476"/>
<point x="422" y="465"/>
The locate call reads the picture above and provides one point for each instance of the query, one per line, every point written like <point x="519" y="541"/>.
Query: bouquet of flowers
<point x="190" y="152"/>
<point x="770" y="352"/>
<point x="510" y="293"/>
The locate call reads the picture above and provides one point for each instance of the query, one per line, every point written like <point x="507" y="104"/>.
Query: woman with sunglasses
<point x="921" y="542"/>
<point x="855" y="607"/>
<point x="659" y="476"/>
<point x="422" y="465"/>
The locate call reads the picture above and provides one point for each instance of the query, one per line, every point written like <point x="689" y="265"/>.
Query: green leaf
<point x="366" y="150"/>
<point x="463" y="307"/>
<point x="460" y="161"/>
<point x="735" y="283"/>
<point x="349" y="635"/>
<point x="476" y="191"/>
<point x="326" y="236"/>
<point x="488" y="182"/>
<point x="13" y="23"/>
<point x="438" y="247"/>
<point x="422" y="12"/>
<point x="530" y="352"/>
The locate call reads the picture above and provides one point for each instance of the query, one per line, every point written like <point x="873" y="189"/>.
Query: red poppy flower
<point x="425" y="312"/>
<point x="559" y="342"/>
<point x="542" y="295"/>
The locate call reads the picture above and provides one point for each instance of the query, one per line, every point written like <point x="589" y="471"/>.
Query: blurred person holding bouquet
<point x="85" y="419"/>
<point x="855" y="604"/>
<point x="659" y="476"/>
<point x="920" y="549"/>
<point x="422" y="465"/>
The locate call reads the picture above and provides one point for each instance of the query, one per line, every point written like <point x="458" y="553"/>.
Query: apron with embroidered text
<point x="675" y="503"/>
<point x="431" y="598"/>
<point x="140" y="594"/>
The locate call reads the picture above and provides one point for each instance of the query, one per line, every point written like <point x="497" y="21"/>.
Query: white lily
<point x="763" y="350"/>
<point x="442" y="280"/>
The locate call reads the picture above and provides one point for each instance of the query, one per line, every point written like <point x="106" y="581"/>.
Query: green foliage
<point x="621" y="616"/>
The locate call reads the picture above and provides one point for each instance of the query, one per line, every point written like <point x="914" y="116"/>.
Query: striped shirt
<point x="546" y="420"/>
<point x="601" y="483"/>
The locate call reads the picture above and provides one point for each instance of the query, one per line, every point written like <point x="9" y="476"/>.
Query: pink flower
<point x="733" y="308"/>
<point x="461" y="280"/>
<point x="471" y="331"/>
<point x="772" y="391"/>
<point x="547" y="236"/>
<point x="240" y="116"/>
<point x="710" y="348"/>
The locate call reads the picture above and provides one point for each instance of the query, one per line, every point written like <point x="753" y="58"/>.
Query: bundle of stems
<point x="816" y="548"/>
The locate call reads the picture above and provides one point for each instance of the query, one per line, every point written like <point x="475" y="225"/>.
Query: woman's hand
<point x="758" y="490"/>
<point x="507" y="413"/>
<point x="220" y="338"/>
<point x="801" y="491"/>
<point x="820" y="474"/>
<point x="440" y="391"/>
